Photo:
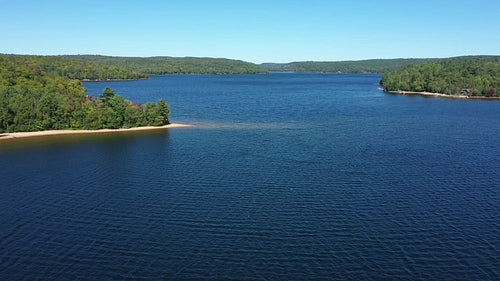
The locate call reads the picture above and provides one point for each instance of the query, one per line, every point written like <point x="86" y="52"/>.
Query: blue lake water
<point x="285" y="177"/>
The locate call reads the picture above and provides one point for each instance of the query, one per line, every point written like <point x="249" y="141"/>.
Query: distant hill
<point x="361" y="66"/>
<point x="175" y="65"/>
<point x="74" y="69"/>
<point x="469" y="75"/>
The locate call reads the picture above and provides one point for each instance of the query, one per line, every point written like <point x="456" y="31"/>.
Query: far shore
<point x="441" y="95"/>
<point x="10" y="136"/>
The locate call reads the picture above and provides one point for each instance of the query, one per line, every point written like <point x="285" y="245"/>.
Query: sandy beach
<point x="10" y="136"/>
<point x="440" y="95"/>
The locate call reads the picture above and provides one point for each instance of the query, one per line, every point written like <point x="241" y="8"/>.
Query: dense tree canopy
<point x="362" y="66"/>
<point x="173" y="65"/>
<point x="71" y="68"/>
<point x="35" y="96"/>
<point x="473" y="75"/>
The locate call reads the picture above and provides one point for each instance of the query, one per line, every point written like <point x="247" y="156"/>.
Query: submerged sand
<point x="8" y="136"/>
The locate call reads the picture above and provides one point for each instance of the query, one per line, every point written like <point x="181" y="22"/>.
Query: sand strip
<point x="9" y="136"/>
<point x="441" y="95"/>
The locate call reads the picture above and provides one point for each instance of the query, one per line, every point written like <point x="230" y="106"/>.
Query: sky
<point x="254" y="31"/>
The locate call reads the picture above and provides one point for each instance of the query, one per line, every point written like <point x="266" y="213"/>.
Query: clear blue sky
<point x="255" y="31"/>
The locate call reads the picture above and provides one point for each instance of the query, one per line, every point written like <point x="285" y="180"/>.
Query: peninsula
<point x="459" y="77"/>
<point x="44" y="94"/>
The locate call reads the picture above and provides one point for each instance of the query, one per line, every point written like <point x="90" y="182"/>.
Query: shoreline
<point x="441" y="95"/>
<point x="111" y="80"/>
<point x="21" y="135"/>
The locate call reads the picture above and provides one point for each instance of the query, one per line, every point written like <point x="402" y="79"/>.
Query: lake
<point x="285" y="176"/>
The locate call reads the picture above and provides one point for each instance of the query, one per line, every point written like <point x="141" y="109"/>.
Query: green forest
<point x="73" y="69"/>
<point x="173" y="65"/>
<point x="362" y="66"/>
<point x="40" y="93"/>
<point x="470" y="75"/>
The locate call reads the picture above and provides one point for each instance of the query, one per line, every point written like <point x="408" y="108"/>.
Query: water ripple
<point x="366" y="188"/>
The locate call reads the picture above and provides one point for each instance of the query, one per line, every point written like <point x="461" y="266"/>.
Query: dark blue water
<point x="284" y="177"/>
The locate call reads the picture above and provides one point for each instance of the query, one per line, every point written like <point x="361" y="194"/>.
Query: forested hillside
<point x="173" y="65"/>
<point x="472" y="75"/>
<point x="36" y="93"/>
<point x="73" y="69"/>
<point x="362" y="66"/>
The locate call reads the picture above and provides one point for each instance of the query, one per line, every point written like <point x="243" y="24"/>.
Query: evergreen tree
<point x="163" y="111"/>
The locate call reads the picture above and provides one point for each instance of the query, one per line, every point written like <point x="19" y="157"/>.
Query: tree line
<point x="34" y="96"/>
<point x="471" y="75"/>
<point x="361" y="66"/>
<point x="175" y="65"/>
<point x="70" y="68"/>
